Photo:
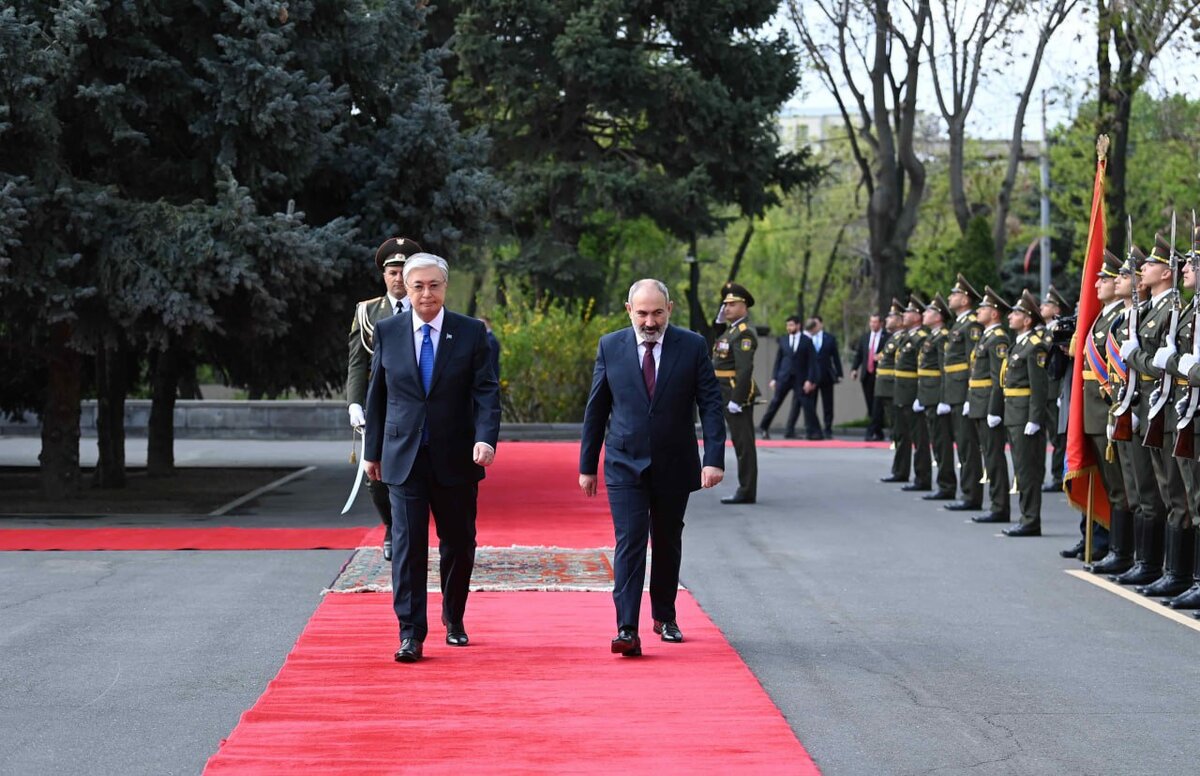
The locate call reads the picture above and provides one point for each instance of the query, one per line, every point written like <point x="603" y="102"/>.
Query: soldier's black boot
<point x="1147" y="554"/>
<point x="1178" y="575"/>
<point x="1190" y="598"/>
<point x="1120" y="545"/>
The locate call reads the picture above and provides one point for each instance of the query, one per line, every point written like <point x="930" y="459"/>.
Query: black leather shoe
<point x="814" y="437"/>
<point x="1188" y="599"/>
<point x="941" y="495"/>
<point x="1073" y="552"/>
<point x="1168" y="585"/>
<point x="1141" y="573"/>
<point x="669" y="631"/>
<point x="917" y="487"/>
<point x="387" y="549"/>
<point x="737" y="500"/>
<point x="1052" y="488"/>
<point x="992" y="517"/>
<point x="764" y="433"/>
<point x="893" y="478"/>
<point x="829" y="433"/>
<point x="1023" y="530"/>
<point x="456" y="635"/>
<point x="627" y="642"/>
<point x="790" y="435"/>
<point x="963" y="506"/>
<point x="410" y="651"/>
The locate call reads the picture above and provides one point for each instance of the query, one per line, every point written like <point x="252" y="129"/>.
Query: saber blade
<point x="359" y="474"/>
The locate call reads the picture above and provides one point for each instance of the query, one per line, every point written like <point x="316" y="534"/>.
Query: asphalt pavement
<point x="896" y="637"/>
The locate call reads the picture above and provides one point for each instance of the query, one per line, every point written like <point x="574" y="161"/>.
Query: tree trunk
<point x="958" y="190"/>
<point x="160" y="446"/>
<point x="112" y="387"/>
<point x="60" y="417"/>
<point x="741" y="252"/>
<point x="837" y="243"/>
<point x="697" y="320"/>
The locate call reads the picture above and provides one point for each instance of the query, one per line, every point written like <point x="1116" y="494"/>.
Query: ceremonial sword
<point x="359" y="473"/>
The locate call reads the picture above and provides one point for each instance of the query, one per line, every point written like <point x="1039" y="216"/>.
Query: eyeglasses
<point x="434" y="287"/>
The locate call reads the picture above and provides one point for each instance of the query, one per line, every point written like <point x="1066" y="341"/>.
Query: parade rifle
<point x="1156" y="418"/>
<point x="1122" y="416"/>
<point x="1185" y="432"/>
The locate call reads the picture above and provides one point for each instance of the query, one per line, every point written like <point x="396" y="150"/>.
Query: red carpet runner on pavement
<point x="537" y="691"/>
<point x="215" y="538"/>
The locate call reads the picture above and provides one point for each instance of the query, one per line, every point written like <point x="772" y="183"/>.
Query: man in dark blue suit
<point x="829" y="372"/>
<point x="433" y="418"/>
<point x="648" y="381"/>
<point x="794" y="372"/>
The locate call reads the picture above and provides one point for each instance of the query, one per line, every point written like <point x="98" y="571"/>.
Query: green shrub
<point x="547" y="354"/>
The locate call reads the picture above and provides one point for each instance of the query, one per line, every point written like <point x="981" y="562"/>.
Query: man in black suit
<point x="866" y="354"/>
<point x="829" y="372"/>
<point x="433" y="418"/>
<point x="794" y="372"/>
<point x="648" y="381"/>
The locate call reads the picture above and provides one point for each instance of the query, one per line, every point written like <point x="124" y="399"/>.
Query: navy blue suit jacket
<point x="795" y="368"/>
<point x="637" y="432"/>
<point x="462" y="408"/>
<point x="829" y="360"/>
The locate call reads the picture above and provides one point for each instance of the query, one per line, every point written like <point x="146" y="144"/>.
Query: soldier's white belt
<point x="929" y="373"/>
<point x="981" y="383"/>
<point x="1018" y="392"/>
<point x="949" y="368"/>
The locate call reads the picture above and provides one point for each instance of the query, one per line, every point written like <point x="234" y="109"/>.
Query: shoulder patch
<point x="1002" y="349"/>
<point x="747" y="344"/>
<point x="1041" y="359"/>
<point x="975" y="334"/>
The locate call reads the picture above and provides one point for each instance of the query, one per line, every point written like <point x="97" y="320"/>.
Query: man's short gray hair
<point x="661" y="286"/>
<point x="422" y="260"/>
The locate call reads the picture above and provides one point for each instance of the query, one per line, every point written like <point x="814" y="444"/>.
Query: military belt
<point x="726" y="372"/>
<point x="1146" y="378"/>
<point x="1017" y="392"/>
<point x="1181" y="381"/>
<point x="1089" y="375"/>
<point x="985" y="382"/>
<point x="906" y="374"/>
<point x="964" y="366"/>
<point x="929" y="373"/>
<point x="885" y="372"/>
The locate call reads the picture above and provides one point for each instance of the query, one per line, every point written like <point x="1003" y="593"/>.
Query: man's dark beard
<point x="651" y="333"/>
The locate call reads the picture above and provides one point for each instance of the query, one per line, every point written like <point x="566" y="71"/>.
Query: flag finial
<point x="1102" y="147"/>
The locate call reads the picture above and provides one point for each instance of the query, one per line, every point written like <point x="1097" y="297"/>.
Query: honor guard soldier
<point x="930" y="401"/>
<point x="1147" y="355"/>
<point x="985" y="402"/>
<point x="733" y="362"/>
<point x="1183" y="366"/>
<point x="1025" y="385"/>
<point x="885" y="387"/>
<point x="964" y="335"/>
<point x="1052" y="308"/>
<point x="1137" y="471"/>
<point x="390" y="260"/>
<point x="1096" y="396"/>
<point x="912" y="433"/>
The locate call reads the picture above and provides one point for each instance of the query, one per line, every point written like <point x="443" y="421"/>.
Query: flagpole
<point x="1087" y="536"/>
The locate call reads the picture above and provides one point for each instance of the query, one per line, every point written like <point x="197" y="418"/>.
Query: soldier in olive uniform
<point x="1024" y="383"/>
<point x="1097" y="394"/>
<point x="733" y="361"/>
<point x="1052" y="308"/>
<point x="1182" y="364"/>
<point x="911" y="427"/>
<point x="930" y="401"/>
<point x="1147" y="356"/>
<point x="390" y="260"/>
<point x="885" y="391"/>
<point x="956" y="373"/>
<point x="985" y="402"/>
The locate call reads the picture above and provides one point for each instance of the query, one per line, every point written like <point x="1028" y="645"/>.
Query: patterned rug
<point x="496" y="568"/>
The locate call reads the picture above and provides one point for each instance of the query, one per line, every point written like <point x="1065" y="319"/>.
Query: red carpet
<point x="553" y="701"/>
<point x="215" y="538"/>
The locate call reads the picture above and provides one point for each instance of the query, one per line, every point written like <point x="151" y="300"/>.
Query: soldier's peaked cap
<point x="732" y="292"/>
<point x="1111" y="266"/>
<point x="994" y="300"/>
<point x="915" y="304"/>
<point x="1134" y="262"/>
<point x="395" y="251"/>
<point x="1161" y="254"/>
<point x="1055" y="298"/>
<point x="1028" y="304"/>
<point x="897" y="307"/>
<point x="939" y="305"/>
<point x="963" y="287"/>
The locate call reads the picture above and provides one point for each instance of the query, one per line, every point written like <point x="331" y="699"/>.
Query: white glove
<point x="1128" y="348"/>
<point x="943" y="408"/>
<point x="918" y="406"/>
<point x="966" y="409"/>
<point x="734" y="408"/>
<point x="994" y="420"/>
<point x="1162" y="354"/>
<point x="1136" y="421"/>
<point x="357" y="418"/>
<point x="1108" y="432"/>
<point x="1032" y="428"/>
<point x="1186" y="363"/>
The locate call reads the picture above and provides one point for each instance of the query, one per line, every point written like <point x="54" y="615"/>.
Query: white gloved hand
<point x="357" y="418"/>
<point x="734" y="408"/>
<point x="1108" y="431"/>
<point x="943" y="408"/>
<point x="918" y="406"/>
<point x="1162" y="354"/>
<point x="1186" y="363"/>
<point x="1128" y="348"/>
<point x="994" y="420"/>
<point x="1058" y="402"/>
<point x="966" y="409"/>
<point x="1032" y="428"/>
<point x="1136" y="421"/>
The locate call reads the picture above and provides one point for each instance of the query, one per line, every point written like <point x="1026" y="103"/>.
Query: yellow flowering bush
<point x="546" y="357"/>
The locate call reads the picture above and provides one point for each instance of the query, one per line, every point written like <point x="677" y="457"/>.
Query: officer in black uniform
<point x="733" y="362"/>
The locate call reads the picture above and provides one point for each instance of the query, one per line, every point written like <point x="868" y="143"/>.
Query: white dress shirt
<point x="641" y="351"/>
<point x="435" y="332"/>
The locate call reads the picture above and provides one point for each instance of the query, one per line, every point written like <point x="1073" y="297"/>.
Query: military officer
<point x="1052" y="308"/>
<point x="985" y="402"/>
<point x="885" y="388"/>
<point x="1024" y="384"/>
<point x="930" y="401"/>
<point x="908" y="422"/>
<point x="1147" y="356"/>
<point x="733" y="361"/>
<point x="390" y="260"/>
<point x="956" y="373"/>
<point x="1096" y="396"/>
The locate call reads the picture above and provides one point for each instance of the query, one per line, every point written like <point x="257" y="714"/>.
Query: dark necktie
<point x="426" y="371"/>
<point x="648" y="368"/>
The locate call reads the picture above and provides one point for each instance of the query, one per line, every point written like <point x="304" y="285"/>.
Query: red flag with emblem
<point x="1082" y="471"/>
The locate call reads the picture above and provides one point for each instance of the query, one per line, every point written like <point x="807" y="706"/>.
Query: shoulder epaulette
<point x="1035" y="339"/>
<point x="371" y="301"/>
<point x="741" y="327"/>
<point x="922" y="333"/>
